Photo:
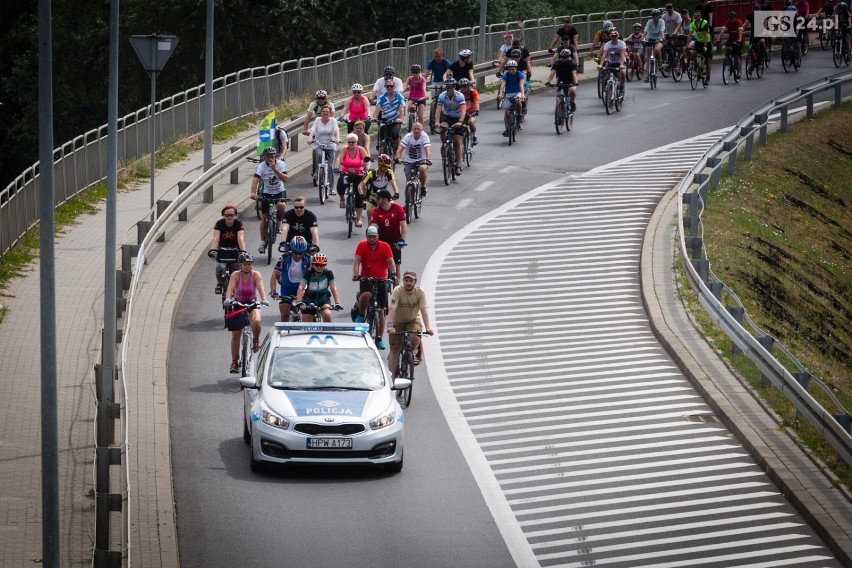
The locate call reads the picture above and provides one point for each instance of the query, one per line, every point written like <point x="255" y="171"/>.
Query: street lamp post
<point x="153" y="51"/>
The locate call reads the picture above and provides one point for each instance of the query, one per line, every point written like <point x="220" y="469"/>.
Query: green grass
<point x="779" y="233"/>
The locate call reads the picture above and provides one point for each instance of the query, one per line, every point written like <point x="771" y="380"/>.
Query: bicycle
<point x="349" y="201"/>
<point x="448" y="156"/>
<point x="385" y="142"/>
<point x="226" y="259"/>
<point x="316" y="311"/>
<point x="324" y="170"/>
<point x="652" y="68"/>
<point x="601" y="79"/>
<point x="697" y="71"/>
<point x="613" y="92"/>
<point x="729" y="70"/>
<point x="413" y="195"/>
<point x="512" y="120"/>
<point x="563" y="116"/>
<point x="789" y="58"/>
<point x="405" y="369"/>
<point x="635" y="66"/>
<point x="839" y="53"/>
<point x="826" y="36"/>
<point x="372" y="315"/>
<point x="754" y="61"/>
<point x="467" y="148"/>
<point x="246" y="352"/>
<point x="672" y="57"/>
<point x="436" y="90"/>
<point x="272" y="222"/>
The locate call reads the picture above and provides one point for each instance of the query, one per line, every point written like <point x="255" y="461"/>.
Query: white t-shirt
<point x="271" y="184"/>
<point x="612" y="53"/>
<point x="415" y="148"/>
<point x="379" y="87"/>
<point x="328" y="133"/>
<point x="672" y="22"/>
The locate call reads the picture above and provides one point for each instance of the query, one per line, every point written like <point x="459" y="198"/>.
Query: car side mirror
<point x="399" y="384"/>
<point x="249" y="383"/>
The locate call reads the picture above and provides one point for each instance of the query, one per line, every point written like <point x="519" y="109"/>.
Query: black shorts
<point x="382" y="299"/>
<point x="736" y="47"/>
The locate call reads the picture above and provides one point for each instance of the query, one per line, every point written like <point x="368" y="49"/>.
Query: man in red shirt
<point x="389" y="217"/>
<point x="373" y="259"/>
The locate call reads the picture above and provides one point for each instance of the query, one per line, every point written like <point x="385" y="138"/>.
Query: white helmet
<point x="511" y="63"/>
<point x="358" y="87"/>
<point x="607" y="26"/>
<point x="465" y="53"/>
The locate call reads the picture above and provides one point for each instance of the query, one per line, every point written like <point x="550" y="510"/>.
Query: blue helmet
<point x="299" y="244"/>
<point x="790" y="8"/>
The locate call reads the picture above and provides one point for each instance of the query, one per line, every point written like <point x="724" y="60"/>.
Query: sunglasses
<point x="298" y="208"/>
<point x="391" y="86"/>
<point x="229" y="215"/>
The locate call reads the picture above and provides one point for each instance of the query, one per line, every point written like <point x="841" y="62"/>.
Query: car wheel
<point x="394" y="467"/>
<point x="246" y="433"/>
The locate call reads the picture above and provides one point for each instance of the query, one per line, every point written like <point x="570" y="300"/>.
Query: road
<point x="434" y="513"/>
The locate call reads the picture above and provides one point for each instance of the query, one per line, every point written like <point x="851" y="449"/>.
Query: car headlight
<point x="384" y="420"/>
<point x="269" y="417"/>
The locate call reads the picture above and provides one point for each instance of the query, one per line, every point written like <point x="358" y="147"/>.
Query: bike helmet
<point x="841" y="4"/>
<point x="565" y="53"/>
<point x="299" y="244"/>
<point x="656" y="12"/>
<point x="637" y="25"/>
<point x="515" y="53"/>
<point x="732" y="14"/>
<point x="319" y="259"/>
<point x="790" y="8"/>
<point x="357" y="88"/>
<point x="268" y="153"/>
<point x="321" y="94"/>
<point x="607" y="26"/>
<point x="465" y="53"/>
<point x="464" y="83"/>
<point x="385" y="159"/>
<point x="450" y="84"/>
<point x="245" y="257"/>
<point x="389" y="70"/>
<point x="511" y="64"/>
<point x="416" y="68"/>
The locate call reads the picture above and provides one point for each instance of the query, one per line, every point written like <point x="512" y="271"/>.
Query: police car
<point x="320" y="393"/>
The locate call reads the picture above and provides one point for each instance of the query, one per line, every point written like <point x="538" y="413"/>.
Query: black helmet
<point x="450" y="83"/>
<point x="389" y="69"/>
<point x="416" y="68"/>
<point x="464" y="82"/>
<point x="515" y="53"/>
<point x="268" y="153"/>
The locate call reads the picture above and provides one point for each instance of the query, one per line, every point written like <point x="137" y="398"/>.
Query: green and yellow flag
<point x="264" y="135"/>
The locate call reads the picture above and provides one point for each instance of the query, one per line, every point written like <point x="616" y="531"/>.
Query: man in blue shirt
<point x="512" y="90"/>
<point x="392" y="106"/>
<point x="451" y="108"/>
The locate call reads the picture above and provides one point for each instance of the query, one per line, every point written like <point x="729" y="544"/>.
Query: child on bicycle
<point x="317" y="287"/>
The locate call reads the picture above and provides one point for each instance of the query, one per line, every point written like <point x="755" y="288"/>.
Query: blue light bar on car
<point x="321" y="326"/>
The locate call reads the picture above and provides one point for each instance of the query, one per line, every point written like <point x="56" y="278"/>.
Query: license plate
<point x="329" y="443"/>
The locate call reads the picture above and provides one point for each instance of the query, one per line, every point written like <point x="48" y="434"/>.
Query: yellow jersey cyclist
<point x="701" y="40"/>
<point x="380" y="178"/>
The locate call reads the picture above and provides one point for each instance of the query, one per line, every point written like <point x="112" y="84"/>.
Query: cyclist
<point x="380" y="178"/>
<point x="511" y="90"/>
<point x="325" y="133"/>
<point x="415" y="87"/>
<point x="701" y="40"/>
<point x="654" y="33"/>
<point x="753" y="37"/>
<point x="844" y="24"/>
<point x="566" y="44"/>
<point x="363" y="138"/>
<point x="300" y="222"/>
<point x="567" y="31"/>
<point x="389" y="217"/>
<point x="356" y="107"/>
<point x="315" y="107"/>
<point x="271" y="177"/>
<point x="706" y="10"/>
<point x="317" y="287"/>
<point x="288" y="273"/>
<point x="636" y="43"/>
<point x="471" y="99"/>
<point x="601" y="37"/>
<point x="613" y="55"/>
<point x="245" y="286"/>
<point x="415" y="147"/>
<point x="451" y="109"/>
<point x="408" y="305"/>
<point x="734" y="26"/>
<point x="380" y="86"/>
<point x="565" y="70"/>
<point x="438" y="66"/>
<point x="463" y="68"/>
<point x="351" y="162"/>
<point x="503" y="51"/>
<point x="373" y="259"/>
<point x="673" y="21"/>
<point x="391" y="105"/>
<point x="228" y="233"/>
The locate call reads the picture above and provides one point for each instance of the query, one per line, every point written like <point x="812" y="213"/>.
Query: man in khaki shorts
<point x="407" y="305"/>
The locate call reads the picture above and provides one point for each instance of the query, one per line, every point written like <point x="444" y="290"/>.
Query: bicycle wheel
<point x="630" y="68"/>
<point x="608" y="96"/>
<point x="665" y="63"/>
<point x="619" y="97"/>
<point x="516" y="125"/>
<point x="245" y="355"/>
<point x="509" y="118"/>
<point x="409" y="201"/>
<point x="257" y="209"/>
<point x="806" y="42"/>
<point x="652" y="74"/>
<point x="405" y="371"/>
<point x="467" y="149"/>
<point x="786" y="59"/>
<point x="350" y="212"/>
<point x="410" y="120"/>
<point x="445" y="167"/>
<point x="322" y="175"/>
<point x="677" y="69"/>
<point x="797" y="62"/>
<point x="601" y="83"/>
<point x="271" y="237"/>
<point x="451" y="155"/>
<point x="418" y="201"/>
<point x="569" y="121"/>
<point x="823" y="41"/>
<point x="836" y="54"/>
<point x="693" y="75"/>
<point x="640" y="70"/>
<point x="727" y="71"/>
<point x="557" y="116"/>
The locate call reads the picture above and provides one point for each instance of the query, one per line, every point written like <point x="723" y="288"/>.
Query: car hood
<point x="322" y="404"/>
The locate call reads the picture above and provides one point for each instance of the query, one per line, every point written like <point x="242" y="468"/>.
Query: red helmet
<point x="319" y="259"/>
<point x="385" y="159"/>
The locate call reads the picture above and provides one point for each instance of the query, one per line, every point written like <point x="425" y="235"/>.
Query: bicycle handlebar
<point x="253" y="305"/>
<point x="417" y="333"/>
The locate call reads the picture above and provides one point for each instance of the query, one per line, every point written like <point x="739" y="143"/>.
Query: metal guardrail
<point x="757" y="346"/>
<point x="81" y="162"/>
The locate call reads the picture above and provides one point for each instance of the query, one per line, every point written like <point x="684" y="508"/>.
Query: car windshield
<point x="306" y="369"/>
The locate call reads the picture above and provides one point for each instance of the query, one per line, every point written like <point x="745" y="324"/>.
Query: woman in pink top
<point x="245" y="286"/>
<point x="356" y="108"/>
<point x="415" y="86"/>
<point x="351" y="162"/>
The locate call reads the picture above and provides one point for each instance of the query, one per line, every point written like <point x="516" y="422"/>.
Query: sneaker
<point x="423" y="191"/>
<point x="505" y="133"/>
<point x="474" y="141"/>
<point x="458" y="171"/>
<point x="255" y="345"/>
<point x="380" y="344"/>
<point x="235" y="367"/>
<point x="262" y="248"/>
<point x="332" y="192"/>
<point x="315" y="180"/>
<point x="360" y="319"/>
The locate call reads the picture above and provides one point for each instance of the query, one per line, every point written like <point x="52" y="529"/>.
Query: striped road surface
<point x="590" y="446"/>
